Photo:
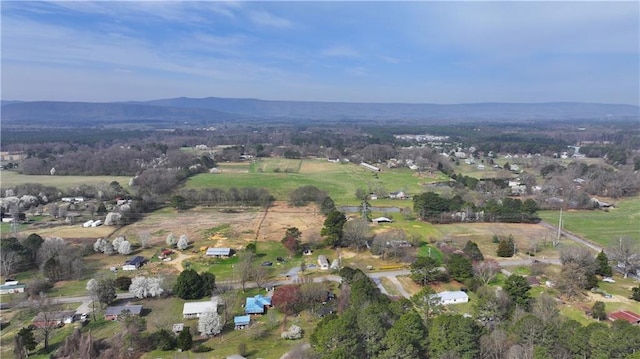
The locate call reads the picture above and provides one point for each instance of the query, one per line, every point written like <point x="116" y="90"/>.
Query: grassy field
<point x="339" y="180"/>
<point x="601" y="226"/>
<point x="10" y="179"/>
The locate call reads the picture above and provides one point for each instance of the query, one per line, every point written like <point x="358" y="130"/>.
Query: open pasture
<point x="601" y="226"/>
<point x="10" y="179"/>
<point x="340" y="180"/>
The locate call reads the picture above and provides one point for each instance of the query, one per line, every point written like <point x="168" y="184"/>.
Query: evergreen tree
<point x="459" y="267"/>
<point x="518" y="289"/>
<point x="333" y="228"/>
<point x="598" y="311"/>
<point x="327" y="205"/>
<point x="189" y="285"/>
<point x="184" y="340"/>
<point x="102" y="209"/>
<point x="472" y="251"/>
<point x="635" y="293"/>
<point x="506" y="247"/>
<point x="603" y="267"/>
<point x="27" y="338"/>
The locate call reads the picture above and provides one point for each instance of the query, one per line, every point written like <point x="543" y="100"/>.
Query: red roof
<point x="629" y="316"/>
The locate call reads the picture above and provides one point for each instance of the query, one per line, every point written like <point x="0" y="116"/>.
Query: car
<point x="608" y="280"/>
<point x="267" y="264"/>
<point x="607" y="295"/>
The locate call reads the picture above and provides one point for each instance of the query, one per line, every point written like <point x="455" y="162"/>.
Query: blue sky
<point x="411" y="52"/>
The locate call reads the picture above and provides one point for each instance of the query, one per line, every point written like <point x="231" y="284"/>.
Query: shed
<point x="323" y="262"/>
<point x="133" y="263"/>
<point x="218" y="252"/>
<point x="453" y="297"/>
<point x="192" y="310"/>
<point x="12" y="288"/>
<point x="625" y="315"/>
<point x="177" y="328"/>
<point x="241" y="321"/>
<point x="257" y="304"/>
<point x="112" y="313"/>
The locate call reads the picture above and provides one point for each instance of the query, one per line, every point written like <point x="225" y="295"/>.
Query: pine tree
<point x="184" y="340"/>
<point x="603" y="266"/>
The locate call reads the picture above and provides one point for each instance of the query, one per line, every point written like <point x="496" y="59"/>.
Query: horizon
<point x="442" y="53"/>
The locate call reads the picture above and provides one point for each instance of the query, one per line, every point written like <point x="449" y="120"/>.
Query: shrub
<point x="202" y="349"/>
<point x="295" y="332"/>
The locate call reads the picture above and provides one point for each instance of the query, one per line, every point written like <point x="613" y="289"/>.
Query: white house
<point x="453" y="297"/>
<point x="12" y="287"/>
<point x="192" y="310"/>
<point x="218" y="252"/>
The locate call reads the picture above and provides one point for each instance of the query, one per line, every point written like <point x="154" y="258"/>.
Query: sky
<point x="393" y="52"/>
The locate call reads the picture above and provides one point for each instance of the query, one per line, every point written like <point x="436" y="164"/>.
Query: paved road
<point x="573" y="237"/>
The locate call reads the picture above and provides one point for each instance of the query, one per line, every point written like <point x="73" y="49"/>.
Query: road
<point x="573" y="237"/>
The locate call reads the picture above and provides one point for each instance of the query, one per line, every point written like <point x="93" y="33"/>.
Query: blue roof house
<point x="257" y="304"/>
<point x="241" y="321"/>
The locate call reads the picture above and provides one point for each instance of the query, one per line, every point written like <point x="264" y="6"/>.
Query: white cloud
<point x="261" y="17"/>
<point x="340" y="51"/>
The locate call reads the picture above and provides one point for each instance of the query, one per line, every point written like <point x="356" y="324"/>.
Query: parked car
<point x="608" y="280"/>
<point x="267" y="264"/>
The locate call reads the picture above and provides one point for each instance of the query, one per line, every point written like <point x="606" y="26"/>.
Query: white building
<point x="453" y="297"/>
<point x="192" y="310"/>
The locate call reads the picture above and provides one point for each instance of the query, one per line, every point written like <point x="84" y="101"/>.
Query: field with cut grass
<point x="340" y="180"/>
<point x="11" y="178"/>
<point x="601" y="226"/>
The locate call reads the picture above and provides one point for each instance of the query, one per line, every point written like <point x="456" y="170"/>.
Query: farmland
<point x="11" y="179"/>
<point x="601" y="226"/>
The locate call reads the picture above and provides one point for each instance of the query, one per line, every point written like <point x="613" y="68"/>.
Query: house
<point x="54" y="319"/>
<point x="397" y="195"/>
<point x="453" y="297"/>
<point x="257" y="304"/>
<point x="625" y="315"/>
<point x="88" y="223"/>
<point x="218" y="252"/>
<point x="96" y="223"/>
<point x="12" y="287"/>
<point x="382" y="220"/>
<point x="192" y="310"/>
<point x="133" y="263"/>
<point x="241" y="321"/>
<point x="112" y="313"/>
<point x="323" y="262"/>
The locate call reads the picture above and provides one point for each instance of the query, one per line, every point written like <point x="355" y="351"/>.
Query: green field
<point x="10" y="179"/>
<point x="339" y="180"/>
<point x="601" y="226"/>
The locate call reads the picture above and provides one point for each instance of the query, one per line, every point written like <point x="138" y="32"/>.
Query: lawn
<point x="340" y="180"/>
<point x="601" y="226"/>
<point x="11" y="178"/>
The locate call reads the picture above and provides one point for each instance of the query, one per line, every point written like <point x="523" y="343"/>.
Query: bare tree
<point x="486" y="270"/>
<point x="46" y="315"/>
<point x="356" y="233"/>
<point x="244" y="268"/>
<point x="8" y="262"/>
<point x="144" y="237"/>
<point x="626" y="252"/>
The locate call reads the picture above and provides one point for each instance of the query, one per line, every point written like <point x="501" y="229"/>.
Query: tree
<point x="143" y="287"/>
<point x="26" y="339"/>
<point x="124" y="247"/>
<point x="573" y="279"/>
<point x="102" y="209"/>
<point x="164" y="339"/>
<point x="454" y="336"/>
<point x="357" y="233"/>
<point x="486" y="270"/>
<point x="46" y="315"/>
<point x="406" y="338"/>
<point x="184" y="340"/>
<point x="459" y="267"/>
<point x="518" y="289"/>
<point x="8" y="261"/>
<point x="178" y="202"/>
<point x="31" y="245"/>
<point x="333" y="228"/>
<point x="327" y="206"/>
<point x="183" y="242"/>
<point x="425" y="270"/>
<point x="492" y="306"/>
<point x="210" y="323"/>
<point x="427" y="303"/>
<point x="472" y="251"/>
<point x="602" y="264"/>
<point x="626" y="252"/>
<point x="171" y="240"/>
<point x="291" y="240"/>
<point x="208" y="283"/>
<point x="506" y="247"/>
<point x="287" y="299"/>
<point x="123" y="282"/>
<point x="635" y="293"/>
<point x="103" y="290"/>
<point x="598" y="311"/>
<point x="244" y="267"/>
<point x="189" y="285"/>
<point x="116" y="243"/>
